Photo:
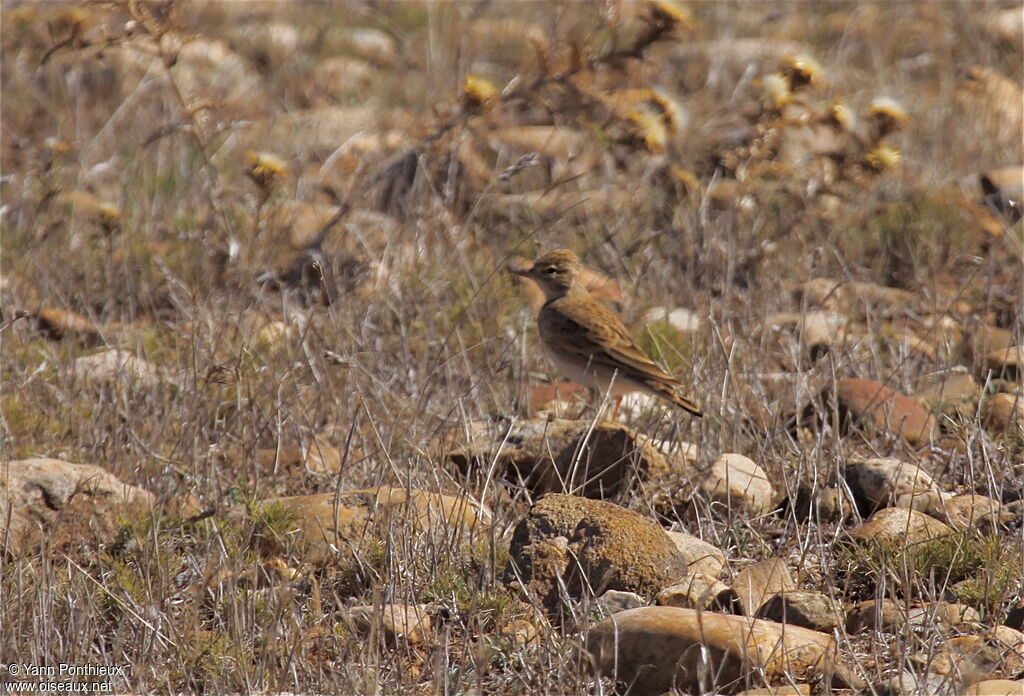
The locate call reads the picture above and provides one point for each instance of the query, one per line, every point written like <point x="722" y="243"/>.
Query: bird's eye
<point x="550" y="270"/>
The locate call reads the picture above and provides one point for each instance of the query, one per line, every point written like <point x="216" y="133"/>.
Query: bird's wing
<point x="596" y="333"/>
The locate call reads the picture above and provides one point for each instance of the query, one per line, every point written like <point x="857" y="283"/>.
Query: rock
<point x="791" y="690"/>
<point x="995" y="687"/>
<point x="969" y="510"/>
<point x="51" y="500"/>
<point x="999" y="652"/>
<point x="985" y="339"/>
<point x="520" y="632"/>
<point x="680" y="319"/>
<point x="832" y="504"/>
<point x="321" y="459"/>
<point x="811" y="610"/>
<point x="1003" y="413"/>
<point x="739" y="484"/>
<point x="654" y="649"/>
<point x="568" y="544"/>
<point x="116" y="366"/>
<point x="878" y="483"/>
<point x="855" y="296"/>
<point x="951" y="392"/>
<point x="1005" y="25"/>
<point x="562" y="455"/>
<point x="697" y="591"/>
<point x="1015" y="617"/>
<point x="616" y="600"/>
<point x="992" y="101"/>
<point x="912" y="684"/>
<point x="323" y="524"/>
<point x="701" y="556"/>
<point x="892" y="617"/>
<point x="756" y="583"/>
<point x="900" y="526"/>
<point x="822" y="331"/>
<point x="1005" y="363"/>
<point x="881" y="408"/>
<point x="875" y="615"/>
<point x="396" y="621"/>
<point x="1003" y="191"/>
<point x="58" y="324"/>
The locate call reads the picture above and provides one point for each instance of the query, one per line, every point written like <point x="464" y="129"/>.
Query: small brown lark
<point x="588" y="343"/>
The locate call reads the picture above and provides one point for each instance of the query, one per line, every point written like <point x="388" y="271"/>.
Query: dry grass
<point x="128" y="198"/>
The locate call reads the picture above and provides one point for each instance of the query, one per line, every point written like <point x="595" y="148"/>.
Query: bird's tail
<point x="675" y="395"/>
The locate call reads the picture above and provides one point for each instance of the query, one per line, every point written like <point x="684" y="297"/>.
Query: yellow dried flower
<point x="477" y="91"/>
<point x="651" y="128"/>
<point x="776" y="90"/>
<point x="888" y="115"/>
<point x="57" y="146"/>
<point x="109" y="212"/>
<point x="841" y="115"/>
<point x="673" y="13"/>
<point x="685" y="177"/>
<point x="802" y="70"/>
<point x="883" y="157"/>
<point x="265" y="168"/>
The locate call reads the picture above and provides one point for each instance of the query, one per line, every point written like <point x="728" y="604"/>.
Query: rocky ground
<point x="274" y="415"/>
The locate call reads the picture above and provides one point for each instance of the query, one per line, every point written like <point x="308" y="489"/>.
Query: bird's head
<point x="554" y="272"/>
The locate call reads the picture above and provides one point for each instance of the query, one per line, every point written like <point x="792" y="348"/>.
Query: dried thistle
<point x="888" y="116"/>
<point x="265" y="169"/>
<point x="477" y="92"/>
<point x="841" y="116"/>
<point x="775" y="88"/>
<point x="672" y="13"/>
<point x="803" y="71"/>
<point x="56" y="146"/>
<point x="650" y="128"/>
<point x="882" y="157"/>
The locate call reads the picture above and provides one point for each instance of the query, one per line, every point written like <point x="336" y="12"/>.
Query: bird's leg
<point x="615" y="411"/>
<point x="592" y="396"/>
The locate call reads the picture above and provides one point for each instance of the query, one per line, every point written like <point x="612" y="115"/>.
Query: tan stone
<point x="327" y="523"/>
<point x="883" y="409"/>
<point x="395" y="621"/>
<point x="788" y="690"/>
<point x="562" y="455"/>
<point x="576" y="545"/>
<point x="116" y="366"/>
<point x="997" y="653"/>
<point x="701" y="556"/>
<point x="1006" y="362"/>
<point x="877" y="483"/>
<point x="995" y="687"/>
<point x="950" y="392"/>
<point x="811" y="610"/>
<point x="51" y="500"/>
<point x="900" y="525"/>
<point x="757" y="583"/>
<point x="58" y="324"/>
<point x="658" y="648"/>
<point x="1003" y="412"/>
<point x="971" y="510"/>
<point x="738" y="483"/>
<point x="696" y="591"/>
